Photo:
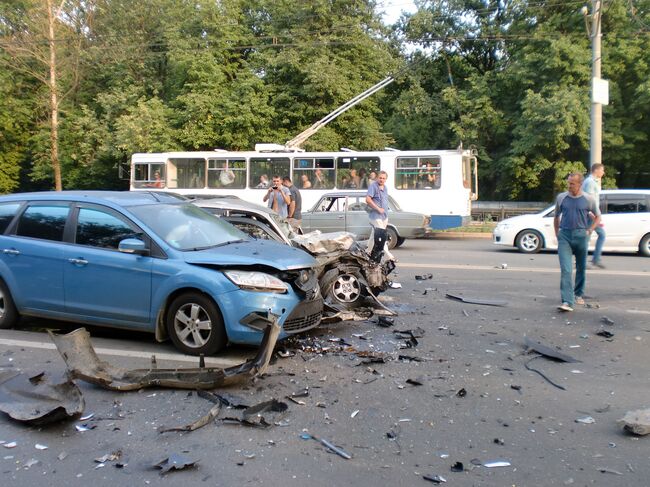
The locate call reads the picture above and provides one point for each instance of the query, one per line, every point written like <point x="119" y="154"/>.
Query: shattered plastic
<point x="37" y="399"/>
<point x="83" y="363"/>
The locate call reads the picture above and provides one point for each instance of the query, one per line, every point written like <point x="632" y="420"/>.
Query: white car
<point x="625" y="218"/>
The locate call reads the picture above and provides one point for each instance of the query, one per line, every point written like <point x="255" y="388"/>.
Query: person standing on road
<point x="592" y="186"/>
<point x="278" y="197"/>
<point x="573" y="226"/>
<point x="295" y="206"/>
<point x="377" y="201"/>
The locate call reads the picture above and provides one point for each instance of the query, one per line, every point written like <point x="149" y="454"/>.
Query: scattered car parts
<point x="83" y="363"/>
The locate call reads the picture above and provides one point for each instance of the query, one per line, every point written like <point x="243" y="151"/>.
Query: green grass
<point x="476" y="227"/>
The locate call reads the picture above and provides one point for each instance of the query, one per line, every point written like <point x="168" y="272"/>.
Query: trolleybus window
<point x="417" y="173"/>
<point x="227" y="173"/>
<point x="356" y="172"/>
<point x="267" y="166"/>
<point x="313" y="173"/>
<point x="149" y="175"/>
<point x="186" y="173"/>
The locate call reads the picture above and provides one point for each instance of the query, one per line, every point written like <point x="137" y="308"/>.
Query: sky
<point x="393" y="8"/>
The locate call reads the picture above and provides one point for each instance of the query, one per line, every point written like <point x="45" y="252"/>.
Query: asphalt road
<point x="395" y="431"/>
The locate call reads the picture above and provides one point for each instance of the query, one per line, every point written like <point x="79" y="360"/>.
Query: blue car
<point x="150" y="262"/>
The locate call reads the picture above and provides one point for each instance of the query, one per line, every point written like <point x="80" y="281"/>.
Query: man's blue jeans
<point x="600" y="231"/>
<point x="570" y="243"/>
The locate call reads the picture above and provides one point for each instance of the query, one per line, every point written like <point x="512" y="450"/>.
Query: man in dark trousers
<point x="377" y="201"/>
<point x="295" y="207"/>
<point x="573" y="226"/>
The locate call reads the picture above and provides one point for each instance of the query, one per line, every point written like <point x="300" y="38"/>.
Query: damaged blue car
<point x="150" y="262"/>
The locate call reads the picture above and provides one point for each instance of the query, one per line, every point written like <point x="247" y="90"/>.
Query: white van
<point x="625" y="217"/>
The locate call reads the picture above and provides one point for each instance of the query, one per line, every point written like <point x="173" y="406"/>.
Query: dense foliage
<point x="509" y="77"/>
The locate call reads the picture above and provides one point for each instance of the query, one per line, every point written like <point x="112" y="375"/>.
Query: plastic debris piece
<point x="85" y="427"/>
<point x="385" y="321"/>
<point x="423" y="277"/>
<point x="87" y="417"/>
<point x="38" y="399"/>
<point x="461" y="393"/>
<point x="585" y="420"/>
<point x="486" y="302"/>
<point x="497" y="463"/>
<point x="11" y="444"/>
<point x="339" y="451"/>
<point x="38" y="446"/>
<point x="416" y="333"/>
<point x="110" y="457"/>
<point x="548" y="351"/>
<point x="437" y="479"/>
<point x="476" y="461"/>
<point x="30" y="463"/>
<point x="609" y="470"/>
<point x="175" y="461"/>
<point x="62" y="456"/>
<point x="458" y="467"/>
<point x="83" y="363"/>
<point x="395" y="285"/>
<point x="636" y="422"/>
<point x="607" y="321"/>
<point x="354" y="413"/>
<point x="604" y="333"/>
<point x="415" y="382"/>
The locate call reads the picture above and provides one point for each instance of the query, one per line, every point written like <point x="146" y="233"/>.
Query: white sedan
<point x="625" y="218"/>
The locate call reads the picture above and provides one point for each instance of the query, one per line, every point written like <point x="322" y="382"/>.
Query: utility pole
<point x="597" y="85"/>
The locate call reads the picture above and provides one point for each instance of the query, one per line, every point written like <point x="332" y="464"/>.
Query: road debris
<point x="607" y="321"/>
<point x="604" y="333"/>
<point x="636" y="422"/>
<point x="548" y="351"/>
<point x="586" y="420"/>
<point x="256" y="415"/>
<point x="434" y="478"/>
<point x="37" y="399"/>
<point x="483" y="301"/>
<point x="496" y="463"/>
<point x="327" y="444"/>
<point x="458" y="467"/>
<point x="11" y="444"/>
<point x="423" y="277"/>
<point x="175" y="461"/>
<point x="83" y="363"/>
<point x="461" y="393"/>
<point x="385" y="321"/>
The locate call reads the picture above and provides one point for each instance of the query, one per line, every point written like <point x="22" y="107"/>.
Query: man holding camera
<point x="278" y="197"/>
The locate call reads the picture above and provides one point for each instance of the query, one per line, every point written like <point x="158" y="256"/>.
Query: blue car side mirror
<point x="132" y="246"/>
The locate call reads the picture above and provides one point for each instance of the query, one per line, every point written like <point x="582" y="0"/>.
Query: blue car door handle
<point x="79" y="262"/>
<point x="11" y="251"/>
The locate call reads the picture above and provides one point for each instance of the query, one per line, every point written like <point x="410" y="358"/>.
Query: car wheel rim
<point x="529" y="241"/>
<point x="346" y="288"/>
<point x="192" y="325"/>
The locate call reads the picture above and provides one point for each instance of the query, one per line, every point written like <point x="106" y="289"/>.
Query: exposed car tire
<point x="400" y="241"/>
<point x="392" y="238"/>
<point x="529" y="241"/>
<point x="644" y="246"/>
<point x="195" y="325"/>
<point x="8" y="313"/>
<point x="344" y="288"/>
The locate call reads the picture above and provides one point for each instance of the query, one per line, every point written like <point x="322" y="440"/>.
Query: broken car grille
<point x="305" y="316"/>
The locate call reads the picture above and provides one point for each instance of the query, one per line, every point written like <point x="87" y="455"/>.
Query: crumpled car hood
<point x="253" y="252"/>
<point x="322" y="243"/>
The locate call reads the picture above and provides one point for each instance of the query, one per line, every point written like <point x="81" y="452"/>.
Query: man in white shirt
<point x="592" y="186"/>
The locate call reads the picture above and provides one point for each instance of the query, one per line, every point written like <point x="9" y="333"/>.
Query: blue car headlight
<point x="257" y="281"/>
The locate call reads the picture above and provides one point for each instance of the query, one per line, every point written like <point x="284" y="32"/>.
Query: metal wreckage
<point x="350" y="279"/>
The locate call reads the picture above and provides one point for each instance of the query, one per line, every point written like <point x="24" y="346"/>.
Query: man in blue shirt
<point x="591" y="186"/>
<point x="377" y="201"/>
<point x="573" y="226"/>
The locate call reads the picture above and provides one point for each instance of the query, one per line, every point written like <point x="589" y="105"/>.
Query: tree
<point x="44" y="41"/>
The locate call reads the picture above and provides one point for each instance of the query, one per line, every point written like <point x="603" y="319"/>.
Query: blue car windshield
<point x="187" y="227"/>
